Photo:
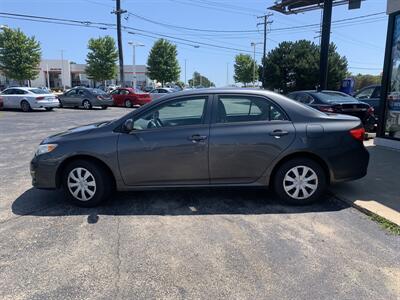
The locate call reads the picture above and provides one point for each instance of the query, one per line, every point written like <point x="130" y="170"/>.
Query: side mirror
<point x="128" y="125"/>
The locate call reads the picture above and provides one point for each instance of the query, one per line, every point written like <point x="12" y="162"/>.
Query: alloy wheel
<point x="300" y="182"/>
<point x="87" y="105"/>
<point x="128" y="104"/>
<point x="81" y="184"/>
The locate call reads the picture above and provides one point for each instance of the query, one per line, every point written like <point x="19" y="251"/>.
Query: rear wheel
<point x="86" y="104"/>
<point x="128" y="103"/>
<point x="86" y="183"/>
<point x="25" y="106"/>
<point x="104" y="107"/>
<point x="300" y="181"/>
<point x="49" y="108"/>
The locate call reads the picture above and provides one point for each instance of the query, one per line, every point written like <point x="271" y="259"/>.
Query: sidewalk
<point x="379" y="191"/>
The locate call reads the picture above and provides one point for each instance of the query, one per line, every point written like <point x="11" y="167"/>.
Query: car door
<point x="247" y="133"/>
<point x="6" y="100"/>
<point x="14" y="98"/>
<point x="116" y="97"/>
<point x="169" y="144"/>
<point x="69" y="98"/>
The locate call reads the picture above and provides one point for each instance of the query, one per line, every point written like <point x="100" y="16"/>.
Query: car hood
<point x="74" y="132"/>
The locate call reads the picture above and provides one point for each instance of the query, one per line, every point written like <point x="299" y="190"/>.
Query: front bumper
<point x="43" y="173"/>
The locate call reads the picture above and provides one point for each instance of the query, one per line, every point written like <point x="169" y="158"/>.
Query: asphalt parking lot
<point x="191" y="244"/>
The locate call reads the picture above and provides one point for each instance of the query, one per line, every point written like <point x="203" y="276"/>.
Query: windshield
<point x="39" y="91"/>
<point x="331" y="97"/>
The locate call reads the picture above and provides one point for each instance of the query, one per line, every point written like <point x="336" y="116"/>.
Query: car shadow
<point x="35" y="202"/>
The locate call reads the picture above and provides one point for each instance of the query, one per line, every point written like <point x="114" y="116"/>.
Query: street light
<point x="253" y="44"/>
<point x="134" y="45"/>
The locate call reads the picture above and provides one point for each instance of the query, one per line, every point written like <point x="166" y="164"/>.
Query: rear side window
<point x="232" y="109"/>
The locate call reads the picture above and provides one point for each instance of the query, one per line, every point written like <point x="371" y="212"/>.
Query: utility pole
<point x="326" y="31"/>
<point x="227" y="74"/>
<point x="62" y="69"/>
<point x="265" y="23"/>
<point x="185" y="72"/>
<point x="118" y="11"/>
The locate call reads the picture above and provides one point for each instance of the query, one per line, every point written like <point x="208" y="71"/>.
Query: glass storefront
<point x="392" y="117"/>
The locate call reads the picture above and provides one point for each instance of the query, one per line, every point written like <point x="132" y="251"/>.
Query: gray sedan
<point x="206" y="138"/>
<point x="86" y="98"/>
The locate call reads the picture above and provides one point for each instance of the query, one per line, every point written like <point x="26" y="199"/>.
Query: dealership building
<point x="389" y="120"/>
<point x="57" y="73"/>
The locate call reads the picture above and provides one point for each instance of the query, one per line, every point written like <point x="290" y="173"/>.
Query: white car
<point x="27" y="98"/>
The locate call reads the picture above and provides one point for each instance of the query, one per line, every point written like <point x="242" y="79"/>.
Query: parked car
<point x="27" y="98"/>
<point x="130" y="97"/>
<point x="370" y="95"/>
<point x="206" y="138"/>
<point x="159" y="92"/>
<point x="1" y="102"/>
<point x="86" y="98"/>
<point x="338" y="103"/>
<point x="148" y="89"/>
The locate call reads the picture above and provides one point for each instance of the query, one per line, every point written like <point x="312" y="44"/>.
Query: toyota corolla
<point x="206" y="138"/>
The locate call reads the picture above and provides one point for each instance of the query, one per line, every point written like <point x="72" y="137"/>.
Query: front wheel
<point x="86" y="183"/>
<point x="86" y="104"/>
<point x="300" y="181"/>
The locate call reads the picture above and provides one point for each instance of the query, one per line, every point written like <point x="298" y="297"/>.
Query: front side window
<point x="232" y="109"/>
<point x="181" y="112"/>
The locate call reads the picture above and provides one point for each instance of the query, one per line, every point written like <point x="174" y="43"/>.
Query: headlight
<point x="46" y="148"/>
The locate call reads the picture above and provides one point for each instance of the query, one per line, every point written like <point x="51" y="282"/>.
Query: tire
<point x="128" y="103"/>
<point x="309" y="191"/>
<point x="86" y="104"/>
<point x="25" y="106"/>
<point x="104" y="107"/>
<point x="49" y="108"/>
<point x="97" y="182"/>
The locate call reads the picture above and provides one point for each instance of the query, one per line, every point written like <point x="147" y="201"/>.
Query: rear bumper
<point x="349" y="165"/>
<point x="44" y="104"/>
<point x="103" y="103"/>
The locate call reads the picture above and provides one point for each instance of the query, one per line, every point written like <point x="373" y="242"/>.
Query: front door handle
<point x="197" y="138"/>
<point x="278" y="133"/>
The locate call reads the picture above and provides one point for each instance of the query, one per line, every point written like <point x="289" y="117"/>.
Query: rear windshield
<point x="97" y="92"/>
<point x="39" y="91"/>
<point x="331" y="97"/>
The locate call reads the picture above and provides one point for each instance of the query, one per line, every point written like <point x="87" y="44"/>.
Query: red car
<point x="129" y="97"/>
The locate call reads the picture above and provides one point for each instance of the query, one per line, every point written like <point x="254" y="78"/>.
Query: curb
<point x="365" y="210"/>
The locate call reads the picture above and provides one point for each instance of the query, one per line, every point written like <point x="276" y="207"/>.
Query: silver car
<point x="159" y="92"/>
<point x="27" y="98"/>
<point x="86" y="98"/>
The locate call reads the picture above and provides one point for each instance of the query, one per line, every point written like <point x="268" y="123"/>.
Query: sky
<point x="361" y="41"/>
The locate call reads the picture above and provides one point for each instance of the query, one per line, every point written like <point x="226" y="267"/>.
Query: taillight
<point x="358" y="133"/>
<point x="370" y="110"/>
<point x="99" y="98"/>
<point x="40" y="98"/>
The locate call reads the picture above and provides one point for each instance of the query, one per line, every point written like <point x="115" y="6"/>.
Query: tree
<point x="162" y="62"/>
<point x="362" y="81"/>
<point x="200" y="80"/>
<point x="102" y="59"/>
<point x="244" y="69"/>
<point x="295" y="66"/>
<point x="19" y="55"/>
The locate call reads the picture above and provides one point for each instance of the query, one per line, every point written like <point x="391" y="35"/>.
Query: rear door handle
<point x="197" y="138"/>
<point x="278" y="133"/>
